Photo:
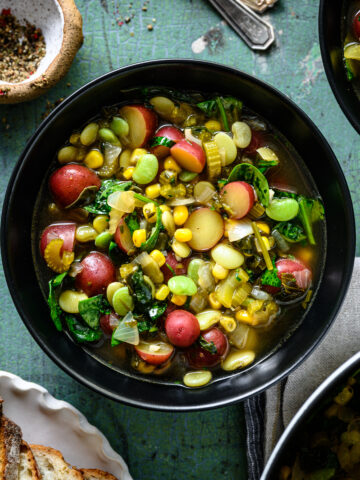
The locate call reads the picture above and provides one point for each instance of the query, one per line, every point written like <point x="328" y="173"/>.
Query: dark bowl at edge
<point x="84" y="104"/>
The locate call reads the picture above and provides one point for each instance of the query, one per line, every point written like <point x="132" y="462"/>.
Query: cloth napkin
<point x="269" y="413"/>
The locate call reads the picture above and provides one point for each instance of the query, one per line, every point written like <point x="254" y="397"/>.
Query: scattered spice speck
<point x="50" y="106"/>
<point x="150" y="27"/>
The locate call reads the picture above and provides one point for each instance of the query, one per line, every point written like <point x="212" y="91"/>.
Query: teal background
<point x="197" y="446"/>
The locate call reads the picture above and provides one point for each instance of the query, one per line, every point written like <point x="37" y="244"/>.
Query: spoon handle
<point x="255" y="32"/>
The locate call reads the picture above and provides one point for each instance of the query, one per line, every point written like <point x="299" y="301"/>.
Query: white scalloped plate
<point x="47" y="421"/>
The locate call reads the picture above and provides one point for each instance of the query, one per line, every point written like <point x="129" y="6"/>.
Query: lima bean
<point x="69" y="300"/>
<point x="146" y="169"/>
<point x="122" y="301"/>
<point x="182" y="285"/>
<point x="119" y="126"/>
<point x="109" y="136"/>
<point x="193" y="269"/>
<point x="282" y="209"/>
<point x="197" y="379"/>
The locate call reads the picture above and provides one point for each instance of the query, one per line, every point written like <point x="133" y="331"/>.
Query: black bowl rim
<point x="348" y="258"/>
<point x="311" y="403"/>
<point x="325" y="54"/>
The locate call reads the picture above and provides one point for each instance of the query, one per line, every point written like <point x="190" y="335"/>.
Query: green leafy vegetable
<point x="132" y="222"/>
<point x="157" y="309"/>
<point x="284" y="194"/>
<point x="188" y="97"/>
<point x="144" y="199"/>
<point x="92" y="308"/>
<point x="349" y="71"/>
<point x="228" y="109"/>
<point x="55" y="310"/>
<point x="100" y="206"/>
<point x="292" y="232"/>
<point x="81" y="333"/>
<point x="250" y="174"/>
<point x="209" y="346"/>
<point x="166" y="142"/>
<point x="151" y="241"/>
<point x="116" y="255"/>
<point x="310" y="211"/>
<point x="270" y="277"/>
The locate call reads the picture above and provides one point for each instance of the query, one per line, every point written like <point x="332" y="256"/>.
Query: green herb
<point x="157" y="309"/>
<point x="144" y="199"/>
<point x="228" y="109"/>
<point x="292" y="232"/>
<point x="116" y="255"/>
<point x="99" y="205"/>
<point x="151" y="241"/>
<point x="250" y="174"/>
<point x="310" y="211"/>
<point x="188" y="97"/>
<point x="142" y="292"/>
<point x="270" y="277"/>
<point x="166" y="142"/>
<point x="92" y="308"/>
<point x="170" y="268"/>
<point x="284" y="194"/>
<point x="81" y="333"/>
<point x="349" y="71"/>
<point x="209" y="346"/>
<point x="55" y="310"/>
<point x="132" y="222"/>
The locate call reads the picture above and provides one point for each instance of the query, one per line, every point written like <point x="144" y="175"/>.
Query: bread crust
<point x="28" y="464"/>
<point x="10" y="440"/>
<point x="46" y="456"/>
<point x="94" y="473"/>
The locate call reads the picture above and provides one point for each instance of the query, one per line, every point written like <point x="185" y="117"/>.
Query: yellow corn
<point x="214" y="302"/>
<point x="213" y="125"/>
<point x="183" y="234"/>
<point x="94" y="159"/>
<point x="158" y="257"/>
<point x="136" y="155"/>
<point x="228" y="323"/>
<point x="162" y="292"/>
<point x="181" y="249"/>
<point x="219" y="272"/>
<point x="127" y="269"/>
<point x="180" y="214"/>
<point x="149" y="211"/>
<point x="153" y="191"/>
<point x="139" y="237"/>
<point x="128" y="172"/>
<point x="101" y="223"/>
<point x="170" y="164"/>
<point x="164" y="208"/>
<point x="264" y="227"/>
<point x="179" y="299"/>
<point x="243" y="316"/>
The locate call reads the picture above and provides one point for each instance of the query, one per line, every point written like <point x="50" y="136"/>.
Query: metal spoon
<point x="255" y="32"/>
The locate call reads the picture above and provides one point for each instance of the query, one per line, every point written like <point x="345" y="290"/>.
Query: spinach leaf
<point x="228" y="109"/>
<point x="250" y="174"/>
<point x="284" y="194"/>
<point x="188" y="97"/>
<point x="132" y="222"/>
<point x="92" y="308"/>
<point x="100" y="206"/>
<point x="157" y="309"/>
<point x="349" y="70"/>
<point x="161" y="141"/>
<point x="292" y="232"/>
<point x="81" y="333"/>
<point x="55" y="310"/>
<point x="151" y="241"/>
<point x="310" y="211"/>
<point x="209" y="346"/>
<point x="270" y="277"/>
<point x="116" y="255"/>
<point x="142" y="292"/>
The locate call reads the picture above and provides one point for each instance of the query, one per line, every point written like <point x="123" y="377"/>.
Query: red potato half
<point x="300" y="272"/>
<point x="171" y="133"/>
<point x="182" y="328"/>
<point x="96" y="274"/>
<point x="142" y="124"/>
<point x="65" y="231"/>
<point x="356" y="25"/>
<point x="189" y="155"/>
<point x="207" y="228"/>
<point x="155" y="353"/>
<point x="256" y="142"/>
<point x="199" y="357"/>
<point x="123" y="237"/>
<point x="109" y="322"/>
<point x="240" y="198"/>
<point x="68" y="182"/>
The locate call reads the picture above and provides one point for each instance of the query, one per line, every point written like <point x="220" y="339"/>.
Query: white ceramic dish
<point x="47" y="421"/>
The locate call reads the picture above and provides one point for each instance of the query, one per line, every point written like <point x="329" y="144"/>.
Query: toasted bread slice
<point x="94" y="474"/>
<point x="52" y="465"/>
<point x="28" y="469"/>
<point x="10" y="440"/>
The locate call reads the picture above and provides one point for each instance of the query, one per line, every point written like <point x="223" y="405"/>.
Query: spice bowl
<point x="54" y="34"/>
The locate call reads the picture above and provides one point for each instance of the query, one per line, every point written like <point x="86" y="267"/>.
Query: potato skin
<point x="65" y="231"/>
<point x="97" y="272"/>
<point x="68" y="182"/>
<point x="199" y="357"/>
<point x="182" y="328"/>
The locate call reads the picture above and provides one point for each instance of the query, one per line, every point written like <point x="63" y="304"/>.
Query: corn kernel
<point x="219" y="272"/>
<point x="139" y="237"/>
<point x="127" y="269"/>
<point x="165" y="208"/>
<point x="181" y="214"/>
<point x="214" y="302"/>
<point x="181" y="249"/>
<point x="149" y="211"/>
<point x="170" y="164"/>
<point x="153" y="191"/>
<point x="128" y="172"/>
<point x="228" y="323"/>
<point x="183" y="234"/>
<point x="158" y="257"/>
<point x="178" y="299"/>
<point x="162" y="292"/>
<point x="213" y="125"/>
<point x="101" y="223"/>
<point x="136" y="155"/>
<point x="243" y="317"/>
<point x="263" y="227"/>
<point x="94" y="159"/>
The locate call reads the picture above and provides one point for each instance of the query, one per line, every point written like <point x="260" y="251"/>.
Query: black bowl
<point x="332" y="48"/>
<point x="202" y="76"/>
<point x="289" y="440"/>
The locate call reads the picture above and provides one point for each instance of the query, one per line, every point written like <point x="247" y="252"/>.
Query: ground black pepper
<point x="21" y="48"/>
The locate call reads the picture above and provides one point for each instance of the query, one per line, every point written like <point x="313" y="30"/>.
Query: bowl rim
<point x="348" y="256"/>
<point x="322" y="391"/>
<point x="338" y="92"/>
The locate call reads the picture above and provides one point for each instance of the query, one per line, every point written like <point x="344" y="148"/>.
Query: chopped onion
<point x="111" y="164"/>
<point x="180" y="201"/>
<point x="127" y="330"/>
<point x="189" y="136"/>
<point x="115" y="217"/>
<point x="122" y="201"/>
<point x="113" y="321"/>
<point x="238" y="229"/>
<point x="259" y="294"/>
<point x="271" y="195"/>
<point x="204" y="192"/>
<point x="75" y="269"/>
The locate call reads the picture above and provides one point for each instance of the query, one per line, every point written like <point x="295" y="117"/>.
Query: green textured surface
<point x="157" y="445"/>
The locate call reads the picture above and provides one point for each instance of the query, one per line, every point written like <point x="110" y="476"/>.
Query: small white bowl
<point x="61" y="25"/>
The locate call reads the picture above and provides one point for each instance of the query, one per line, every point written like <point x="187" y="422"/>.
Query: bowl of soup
<point x="323" y="439"/>
<point x="339" y="32"/>
<point x="184" y="250"/>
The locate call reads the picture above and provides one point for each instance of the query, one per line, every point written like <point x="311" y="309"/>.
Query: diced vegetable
<point x="227" y="256"/>
<point x="227" y="148"/>
<point x="282" y="209"/>
<point x="204" y="219"/>
<point x="189" y="155"/>
<point x="238" y="199"/>
<point x="250" y="174"/>
<point x="127" y="331"/>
